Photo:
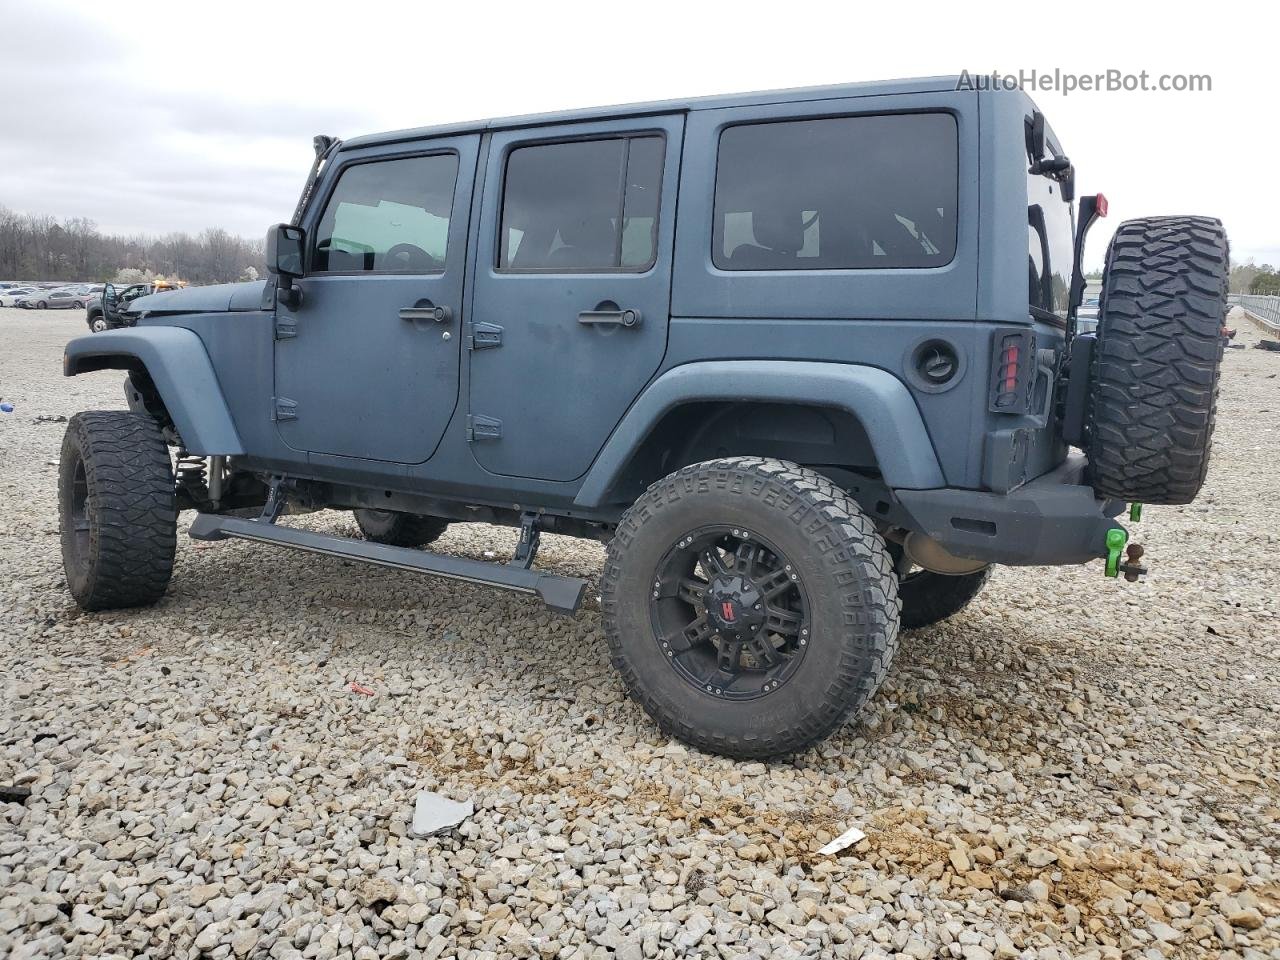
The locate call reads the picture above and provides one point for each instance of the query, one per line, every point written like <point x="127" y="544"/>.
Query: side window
<point x="388" y="216"/>
<point x="581" y="206"/>
<point x="837" y="193"/>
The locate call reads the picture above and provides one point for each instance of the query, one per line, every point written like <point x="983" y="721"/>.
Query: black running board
<point x="561" y="594"/>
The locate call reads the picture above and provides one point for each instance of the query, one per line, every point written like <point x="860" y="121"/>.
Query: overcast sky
<point x="154" y="117"/>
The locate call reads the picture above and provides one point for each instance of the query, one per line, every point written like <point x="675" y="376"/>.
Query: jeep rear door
<point x="367" y="366"/>
<point x="572" y="288"/>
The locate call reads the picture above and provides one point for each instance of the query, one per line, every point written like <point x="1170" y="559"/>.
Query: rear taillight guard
<point x="1013" y="371"/>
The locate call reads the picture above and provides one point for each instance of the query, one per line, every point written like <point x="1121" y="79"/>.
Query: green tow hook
<point x="1117" y="537"/>
<point x="1135" y="512"/>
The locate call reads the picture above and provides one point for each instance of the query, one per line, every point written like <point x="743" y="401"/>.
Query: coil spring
<point x="191" y="471"/>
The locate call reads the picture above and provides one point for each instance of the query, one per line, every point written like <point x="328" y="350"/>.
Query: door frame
<point x="469" y="147"/>
<point x="672" y="127"/>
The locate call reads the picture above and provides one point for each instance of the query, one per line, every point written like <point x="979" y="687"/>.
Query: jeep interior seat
<point x="589" y="243"/>
<point x="779" y="235"/>
<point x="347" y="261"/>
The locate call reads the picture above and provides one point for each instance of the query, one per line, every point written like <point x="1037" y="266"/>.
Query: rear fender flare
<point x="179" y="365"/>
<point x="879" y="400"/>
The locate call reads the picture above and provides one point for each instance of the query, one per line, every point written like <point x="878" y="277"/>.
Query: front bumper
<point x="1050" y="521"/>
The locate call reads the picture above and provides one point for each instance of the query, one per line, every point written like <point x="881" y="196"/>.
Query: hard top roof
<point x="878" y="88"/>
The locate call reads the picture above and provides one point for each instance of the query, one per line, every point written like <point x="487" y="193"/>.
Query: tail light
<point x="1013" y="368"/>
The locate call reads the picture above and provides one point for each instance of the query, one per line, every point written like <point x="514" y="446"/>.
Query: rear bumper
<point x="1050" y="521"/>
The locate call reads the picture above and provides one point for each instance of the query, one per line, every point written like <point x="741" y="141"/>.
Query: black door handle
<point x="609" y="313"/>
<point x="425" y="310"/>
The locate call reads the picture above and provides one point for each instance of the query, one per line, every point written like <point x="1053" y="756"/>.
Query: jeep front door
<point x="367" y="365"/>
<point x="572" y="289"/>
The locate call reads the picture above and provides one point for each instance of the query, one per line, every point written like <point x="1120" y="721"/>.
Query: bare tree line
<point x="37" y="247"/>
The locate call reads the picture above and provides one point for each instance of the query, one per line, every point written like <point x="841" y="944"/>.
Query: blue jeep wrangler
<point x="806" y="360"/>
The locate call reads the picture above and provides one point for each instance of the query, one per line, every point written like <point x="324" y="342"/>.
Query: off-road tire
<point x="929" y="598"/>
<point x="844" y="568"/>
<point x="116" y="466"/>
<point x="1155" y="369"/>
<point x="399" y="529"/>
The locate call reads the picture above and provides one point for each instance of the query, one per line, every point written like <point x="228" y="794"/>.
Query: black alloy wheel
<point x="729" y="612"/>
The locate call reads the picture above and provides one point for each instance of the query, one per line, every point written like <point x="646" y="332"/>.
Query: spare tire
<point x="1155" y="364"/>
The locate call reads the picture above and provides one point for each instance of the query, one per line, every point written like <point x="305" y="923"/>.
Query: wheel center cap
<point x="734" y="606"/>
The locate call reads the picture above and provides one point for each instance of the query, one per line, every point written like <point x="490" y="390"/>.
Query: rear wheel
<point x="118" y="510"/>
<point x="98" y="323"/>
<point x="929" y="598"/>
<point x="1155" y="369"/>
<point x="399" y="529"/>
<point x="750" y="607"/>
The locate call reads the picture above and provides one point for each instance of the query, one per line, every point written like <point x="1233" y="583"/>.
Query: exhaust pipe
<point x="924" y="551"/>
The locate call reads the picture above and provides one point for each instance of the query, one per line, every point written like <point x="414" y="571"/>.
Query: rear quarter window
<point x="837" y="193"/>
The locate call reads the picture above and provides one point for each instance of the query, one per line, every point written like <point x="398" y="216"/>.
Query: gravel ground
<point x="1072" y="767"/>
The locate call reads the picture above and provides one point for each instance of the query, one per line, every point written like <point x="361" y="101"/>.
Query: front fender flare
<point x="178" y="364"/>
<point x="878" y="399"/>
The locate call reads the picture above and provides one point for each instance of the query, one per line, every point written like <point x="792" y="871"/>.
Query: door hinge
<point x="284" y="409"/>
<point x="483" y="336"/>
<point x="286" y="328"/>
<point x="483" y="428"/>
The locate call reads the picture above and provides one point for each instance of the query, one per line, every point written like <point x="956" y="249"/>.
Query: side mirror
<point x="285" y="245"/>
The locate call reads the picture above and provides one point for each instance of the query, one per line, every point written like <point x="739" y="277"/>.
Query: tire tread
<point x="849" y="544"/>
<point x="1155" y="368"/>
<point x="132" y="505"/>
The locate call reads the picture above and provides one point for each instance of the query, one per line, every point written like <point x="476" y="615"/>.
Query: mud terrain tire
<point x="803" y="529"/>
<point x="1155" y="368"/>
<point x="118" y="510"/>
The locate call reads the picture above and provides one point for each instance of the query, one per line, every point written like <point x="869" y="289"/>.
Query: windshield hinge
<point x="286" y="327"/>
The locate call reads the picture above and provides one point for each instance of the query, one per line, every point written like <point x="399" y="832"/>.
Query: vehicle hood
<point x="216" y="298"/>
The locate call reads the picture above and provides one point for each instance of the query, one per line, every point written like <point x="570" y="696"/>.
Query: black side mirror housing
<point x="285" y="246"/>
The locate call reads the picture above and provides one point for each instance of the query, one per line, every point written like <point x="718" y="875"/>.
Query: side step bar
<point x="560" y="594"/>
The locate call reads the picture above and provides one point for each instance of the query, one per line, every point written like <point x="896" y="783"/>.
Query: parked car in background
<point x="10" y="296"/>
<point x="53" y="300"/>
<point x="1087" y="316"/>
<point x="117" y="301"/>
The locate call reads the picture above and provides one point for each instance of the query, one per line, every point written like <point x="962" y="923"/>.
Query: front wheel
<point x="118" y="510"/>
<point x="98" y="324"/>
<point x="750" y="606"/>
<point x="41" y="305"/>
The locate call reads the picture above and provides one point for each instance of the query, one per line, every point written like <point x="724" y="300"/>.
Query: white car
<point x="1087" y="316"/>
<point x="11" y="296"/>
